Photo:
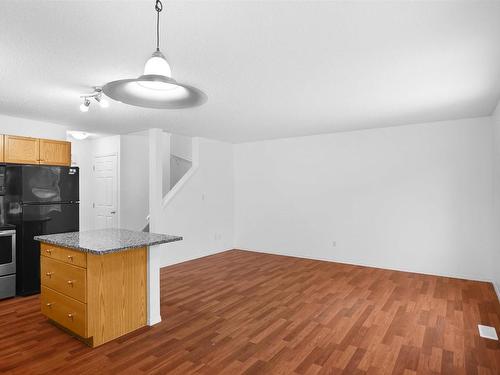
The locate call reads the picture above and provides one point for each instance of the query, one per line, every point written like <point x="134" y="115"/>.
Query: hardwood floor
<point x="248" y="313"/>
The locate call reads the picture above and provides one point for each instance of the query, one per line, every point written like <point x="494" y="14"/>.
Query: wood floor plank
<point x="242" y="312"/>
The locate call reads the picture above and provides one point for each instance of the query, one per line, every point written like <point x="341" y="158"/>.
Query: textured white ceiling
<point x="271" y="69"/>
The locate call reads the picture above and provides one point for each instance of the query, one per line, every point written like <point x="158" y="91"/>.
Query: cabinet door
<point x="2" y="158"/>
<point x="21" y="150"/>
<point x="55" y="152"/>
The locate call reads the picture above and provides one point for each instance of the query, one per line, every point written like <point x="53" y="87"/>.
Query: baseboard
<point x="356" y="263"/>
<point x="188" y="259"/>
<point x="154" y="320"/>
<point x="497" y="289"/>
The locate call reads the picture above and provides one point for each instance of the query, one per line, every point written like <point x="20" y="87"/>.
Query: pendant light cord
<point x="158" y="8"/>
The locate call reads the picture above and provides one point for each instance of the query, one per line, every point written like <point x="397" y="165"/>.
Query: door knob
<point x="113" y="212"/>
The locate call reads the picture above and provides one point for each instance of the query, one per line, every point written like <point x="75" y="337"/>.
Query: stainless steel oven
<point x="7" y="263"/>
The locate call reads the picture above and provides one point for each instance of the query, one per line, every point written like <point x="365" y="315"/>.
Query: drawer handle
<point x="49" y="274"/>
<point x="49" y="304"/>
<point x="71" y="283"/>
<point x="48" y="251"/>
<point x="70" y="258"/>
<point x="71" y="316"/>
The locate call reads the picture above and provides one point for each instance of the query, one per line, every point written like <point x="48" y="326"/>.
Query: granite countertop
<point x="106" y="241"/>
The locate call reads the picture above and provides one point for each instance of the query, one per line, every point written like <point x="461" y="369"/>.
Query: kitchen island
<point x="94" y="284"/>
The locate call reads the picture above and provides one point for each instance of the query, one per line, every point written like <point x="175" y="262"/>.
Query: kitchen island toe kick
<point x="95" y="283"/>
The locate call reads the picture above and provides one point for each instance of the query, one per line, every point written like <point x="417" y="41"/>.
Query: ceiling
<point x="271" y="69"/>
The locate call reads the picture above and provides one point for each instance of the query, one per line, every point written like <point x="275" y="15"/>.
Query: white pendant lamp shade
<point x="157" y="64"/>
<point x="167" y="93"/>
<point x="155" y="88"/>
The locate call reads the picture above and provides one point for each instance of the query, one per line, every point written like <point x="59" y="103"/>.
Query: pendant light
<point x="155" y="88"/>
<point x="79" y="135"/>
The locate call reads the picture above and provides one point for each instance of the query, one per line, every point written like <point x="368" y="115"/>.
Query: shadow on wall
<point x="178" y="168"/>
<point x="177" y="160"/>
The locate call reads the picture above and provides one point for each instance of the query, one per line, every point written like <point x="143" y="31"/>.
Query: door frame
<point x="100" y="155"/>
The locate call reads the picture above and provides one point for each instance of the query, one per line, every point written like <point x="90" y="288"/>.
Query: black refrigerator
<point x="39" y="200"/>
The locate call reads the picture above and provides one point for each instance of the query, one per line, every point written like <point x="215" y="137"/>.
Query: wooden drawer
<point x="73" y="257"/>
<point x="64" y="310"/>
<point x="64" y="278"/>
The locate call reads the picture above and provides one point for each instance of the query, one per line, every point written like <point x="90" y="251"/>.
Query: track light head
<point x="84" y="107"/>
<point x="102" y="101"/>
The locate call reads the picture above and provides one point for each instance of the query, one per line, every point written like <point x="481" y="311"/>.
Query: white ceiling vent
<point x="487" y="332"/>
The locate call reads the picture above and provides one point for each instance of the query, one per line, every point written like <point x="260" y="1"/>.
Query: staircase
<point x="176" y="162"/>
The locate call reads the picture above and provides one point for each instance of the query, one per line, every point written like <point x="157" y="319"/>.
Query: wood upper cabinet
<point x="2" y="158"/>
<point x="26" y="150"/>
<point x="54" y="152"/>
<point x="21" y="150"/>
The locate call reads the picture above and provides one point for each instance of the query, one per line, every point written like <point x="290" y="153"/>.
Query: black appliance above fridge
<point x="39" y="200"/>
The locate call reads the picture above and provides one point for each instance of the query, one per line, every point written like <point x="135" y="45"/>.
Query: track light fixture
<point x="97" y="96"/>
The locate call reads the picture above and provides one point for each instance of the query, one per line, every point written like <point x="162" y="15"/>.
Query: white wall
<point x="415" y="198"/>
<point x="496" y="194"/>
<point x="200" y="207"/>
<point x="157" y="143"/>
<point x="166" y="149"/>
<point x="181" y="146"/>
<point x="134" y="180"/>
<point x="31" y="128"/>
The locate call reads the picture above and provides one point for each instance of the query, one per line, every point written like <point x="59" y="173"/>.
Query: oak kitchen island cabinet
<point x="95" y="283"/>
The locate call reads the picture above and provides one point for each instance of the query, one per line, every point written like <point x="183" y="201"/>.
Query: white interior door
<point x="106" y="192"/>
